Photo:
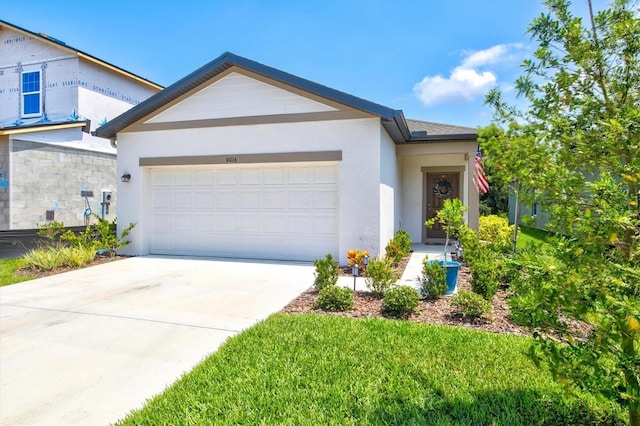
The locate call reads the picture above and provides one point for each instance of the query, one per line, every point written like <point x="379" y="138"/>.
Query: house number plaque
<point x="232" y="159"/>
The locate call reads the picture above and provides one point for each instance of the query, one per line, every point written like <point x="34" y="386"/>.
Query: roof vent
<point x="419" y="133"/>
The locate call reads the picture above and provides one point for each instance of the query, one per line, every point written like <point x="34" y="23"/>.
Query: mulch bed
<point x="437" y="311"/>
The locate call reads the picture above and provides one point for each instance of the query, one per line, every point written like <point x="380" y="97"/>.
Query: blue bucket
<point x="452" y="275"/>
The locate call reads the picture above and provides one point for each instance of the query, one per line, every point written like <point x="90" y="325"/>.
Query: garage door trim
<point x="276" y="157"/>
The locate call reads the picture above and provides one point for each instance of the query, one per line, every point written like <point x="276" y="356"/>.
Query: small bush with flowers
<point x="356" y="257"/>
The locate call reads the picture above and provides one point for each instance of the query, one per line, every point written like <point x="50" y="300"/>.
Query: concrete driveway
<point x="88" y="346"/>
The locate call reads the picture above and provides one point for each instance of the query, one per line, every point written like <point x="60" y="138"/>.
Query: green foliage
<point x="76" y="257"/>
<point x="400" y="301"/>
<point x="496" y="231"/>
<point x="107" y="237"/>
<point x="327" y="370"/>
<point x="434" y="279"/>
<point x="8" y="267"/>
<point x="576" y="151"/>
<point x="486" y="269"/>
<point x="335" y="298"/>
<point x="469" y="241"/>
<point x="471" y="304"/>
<point x="44" y="259"/>
<point x="451" y="217"/>
<point x="85" y="239"/>
<point x="327" y="271"/>
<point x="399" y="246"/>
<point x="51" y="231"/>
<point x="380" y="276"/>
<point x="47" y="259"/>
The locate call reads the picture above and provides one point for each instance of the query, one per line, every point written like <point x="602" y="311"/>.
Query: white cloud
<point x="466" y="82"/>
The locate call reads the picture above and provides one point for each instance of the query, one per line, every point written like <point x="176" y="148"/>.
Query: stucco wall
<point x="47" y="177"/>
<point x="4" y="182"/>
<point x="389" y="189"/>
<point x="358" y="139"/>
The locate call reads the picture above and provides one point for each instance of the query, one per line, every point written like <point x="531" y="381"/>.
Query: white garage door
<point x="285" y="211"/>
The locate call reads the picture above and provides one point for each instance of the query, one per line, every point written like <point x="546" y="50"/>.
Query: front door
<point x="440" y="186"/>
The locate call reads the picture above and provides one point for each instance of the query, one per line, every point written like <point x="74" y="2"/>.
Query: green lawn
<point x="534" y="237"/>
<point x="7" y="269"/>
<point x="329" y="370"/>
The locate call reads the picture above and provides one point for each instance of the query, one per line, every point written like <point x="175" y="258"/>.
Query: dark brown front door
<point x="440" y="186"/>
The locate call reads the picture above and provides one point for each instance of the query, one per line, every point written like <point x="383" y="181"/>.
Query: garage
<point x="261" y="211"/>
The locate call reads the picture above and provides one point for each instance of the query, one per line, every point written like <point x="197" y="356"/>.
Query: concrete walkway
<point x="411" y="273"/>
<point x="86" y="347"/>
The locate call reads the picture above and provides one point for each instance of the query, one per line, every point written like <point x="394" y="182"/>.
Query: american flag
<point x="479" y="179"/>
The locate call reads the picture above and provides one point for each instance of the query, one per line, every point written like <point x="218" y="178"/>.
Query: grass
<point x="315" y="369"/>
<point x="534" y="237"/>
<point x="7" y="271"/>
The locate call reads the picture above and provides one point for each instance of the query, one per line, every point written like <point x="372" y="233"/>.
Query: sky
<point x="433" y="59"/>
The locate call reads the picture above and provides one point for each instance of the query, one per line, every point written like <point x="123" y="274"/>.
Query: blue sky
<point x="434" y="59"/>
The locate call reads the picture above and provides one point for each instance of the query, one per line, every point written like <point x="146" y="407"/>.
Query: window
<point x="31" y="94"/>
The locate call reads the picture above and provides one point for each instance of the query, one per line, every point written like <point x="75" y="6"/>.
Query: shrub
<point x="433" y="279"/>
<point x="486" y="269"/>
<point x="401" y="301"/>
<point x="77" y="256"/>
<point x="470" y="242"/>
<point x="471" y="304"/>
<point x="399" y="246"/>
<point x="51" y="231"/>
<point x="326" y="272"/>
<point x="496" y="231"/>
<point x="86" y="238"/>
<point x="107" y="237"/>
<point x="356" y="257"/>
<point x="380" y="276"/>
<point x="335" y="298"/>
<point x="44" y="259"/>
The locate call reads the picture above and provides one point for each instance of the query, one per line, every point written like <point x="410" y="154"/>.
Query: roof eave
<point x="228" y="60"/>
<point x="462" y="137"/>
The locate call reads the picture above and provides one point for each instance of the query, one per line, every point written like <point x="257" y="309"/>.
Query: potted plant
<point x="452" y="220"/>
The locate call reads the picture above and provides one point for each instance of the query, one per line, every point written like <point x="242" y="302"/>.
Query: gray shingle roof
<point x="438" y="128"/>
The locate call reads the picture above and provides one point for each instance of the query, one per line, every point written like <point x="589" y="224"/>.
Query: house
<point x="51" y="97"/>
<point x="239" y="159"/>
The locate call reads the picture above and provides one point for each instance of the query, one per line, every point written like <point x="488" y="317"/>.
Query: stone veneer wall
<point x="47" y="177"/>
<point x="4" y="183"/>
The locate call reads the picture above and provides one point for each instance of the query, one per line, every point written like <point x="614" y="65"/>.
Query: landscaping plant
<point x="399" y="246"/>
<point x="381" y="275"/>
<point x="400" y="301"/>
<point x="335" y="298"/>
<point x="486" y="267"/>
<point x="577" y="149"/>
<point x="327" y="271"/>
<point x="451" y="218"/>
<point x="471" y="304"/>
<point x="356" y="257"/>
<point x="433" y="281"/>
<point x="496" y="231"/>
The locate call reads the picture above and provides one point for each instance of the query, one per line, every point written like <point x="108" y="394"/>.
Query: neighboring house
<point x="239" y="159"/>
<point x="51" y="97"/>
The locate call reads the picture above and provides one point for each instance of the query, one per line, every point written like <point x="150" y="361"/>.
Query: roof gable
<point x="236" y="94"/>
<point x="60" y="45"/>
<point x="392" y="120"/>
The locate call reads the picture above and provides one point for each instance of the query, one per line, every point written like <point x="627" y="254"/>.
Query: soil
<point x="437" y="311"/>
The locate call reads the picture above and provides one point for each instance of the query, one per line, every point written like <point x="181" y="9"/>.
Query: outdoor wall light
<point x="125" y="177"/>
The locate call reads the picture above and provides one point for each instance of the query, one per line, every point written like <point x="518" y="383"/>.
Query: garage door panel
<point x="274" y="224"/>
<point x="300" y="200"/>
<point x="325" y="174"/>
<point x="270" y="211"/>
<point x="275" y="199"/>
<point x="325" y="200"/>
<point x="183" y="200"/>
<point x="250" y="200"/>
<point x="325" y="225"/>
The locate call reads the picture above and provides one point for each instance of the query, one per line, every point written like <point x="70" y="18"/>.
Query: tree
<point x="576" y="150"/>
